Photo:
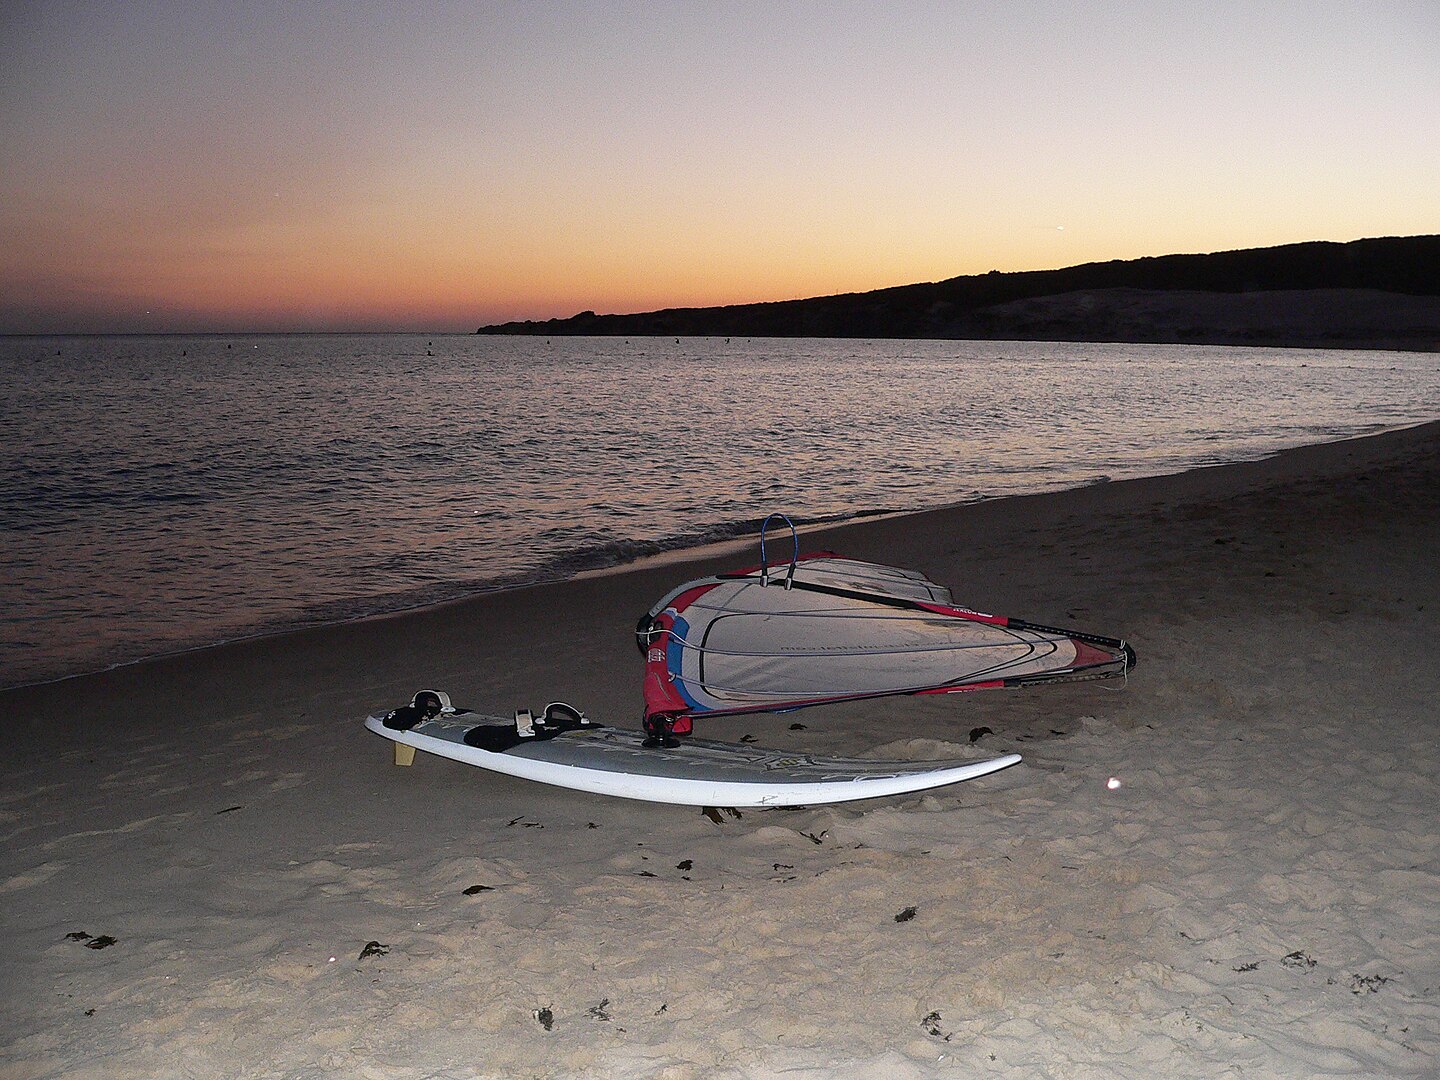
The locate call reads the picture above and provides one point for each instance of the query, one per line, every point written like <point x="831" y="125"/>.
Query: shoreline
<point x="200" y="850"/>
<point x="673" y="556"/>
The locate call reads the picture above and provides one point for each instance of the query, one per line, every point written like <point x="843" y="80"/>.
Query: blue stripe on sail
<point x="675" y="656"/>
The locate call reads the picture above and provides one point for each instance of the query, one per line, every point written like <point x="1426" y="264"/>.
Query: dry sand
<point x="1260" y="897"/>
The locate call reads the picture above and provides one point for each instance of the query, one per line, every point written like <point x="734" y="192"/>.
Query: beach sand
<point x="1259" y="897"/>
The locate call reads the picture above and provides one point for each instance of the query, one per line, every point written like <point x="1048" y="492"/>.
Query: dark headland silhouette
<point x="1381" y="293"/>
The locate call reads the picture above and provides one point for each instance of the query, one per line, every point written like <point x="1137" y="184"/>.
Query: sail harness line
<point x="1031" y="651"/>
<point x="803" y="699"/>
<point x="890" y="650"/>
<point x="713" y="689"/>
<point x="881" y="591"/>
<point x="918" y="609"/>
<point x="943" y="611"/>
<point x="800" y="699"/>
<point x="919" y="614"/>
<point x="838" y="615"/>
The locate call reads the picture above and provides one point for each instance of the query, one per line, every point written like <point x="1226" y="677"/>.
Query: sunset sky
<point x="235" y="166"/>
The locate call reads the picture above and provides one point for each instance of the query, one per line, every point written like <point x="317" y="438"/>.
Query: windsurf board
<point x="696" y="772"/>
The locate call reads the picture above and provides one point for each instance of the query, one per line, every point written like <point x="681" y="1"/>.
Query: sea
<point x="160" y="494"/>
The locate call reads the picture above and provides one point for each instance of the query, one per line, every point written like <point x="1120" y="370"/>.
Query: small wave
<point x="602" y="556"/>
<point x="598" y="555"/>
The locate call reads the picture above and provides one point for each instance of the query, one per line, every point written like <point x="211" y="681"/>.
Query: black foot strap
<point x="559" y="717"/>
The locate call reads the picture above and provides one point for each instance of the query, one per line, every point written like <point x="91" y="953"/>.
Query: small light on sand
<point x="1112" y="783"/>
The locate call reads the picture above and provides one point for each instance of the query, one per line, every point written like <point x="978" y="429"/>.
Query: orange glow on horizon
<point x="176" y="169"/>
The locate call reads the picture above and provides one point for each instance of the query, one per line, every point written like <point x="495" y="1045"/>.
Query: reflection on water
<point x="158" y="493"/>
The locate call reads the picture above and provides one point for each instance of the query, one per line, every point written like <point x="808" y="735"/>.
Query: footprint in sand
<point x="31" y="878"/>
<point x="130" y="827"/>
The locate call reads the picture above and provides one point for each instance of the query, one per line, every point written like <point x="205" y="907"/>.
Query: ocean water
<point x="163" y="493"/>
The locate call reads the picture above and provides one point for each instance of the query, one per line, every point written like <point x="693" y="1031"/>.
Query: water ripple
<point x="163" y="493"/>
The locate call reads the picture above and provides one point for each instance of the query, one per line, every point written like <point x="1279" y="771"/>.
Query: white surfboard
<point x="697" y="772"/>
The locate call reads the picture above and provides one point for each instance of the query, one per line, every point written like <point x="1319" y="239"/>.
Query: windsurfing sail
<point x="824" y="628"/>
